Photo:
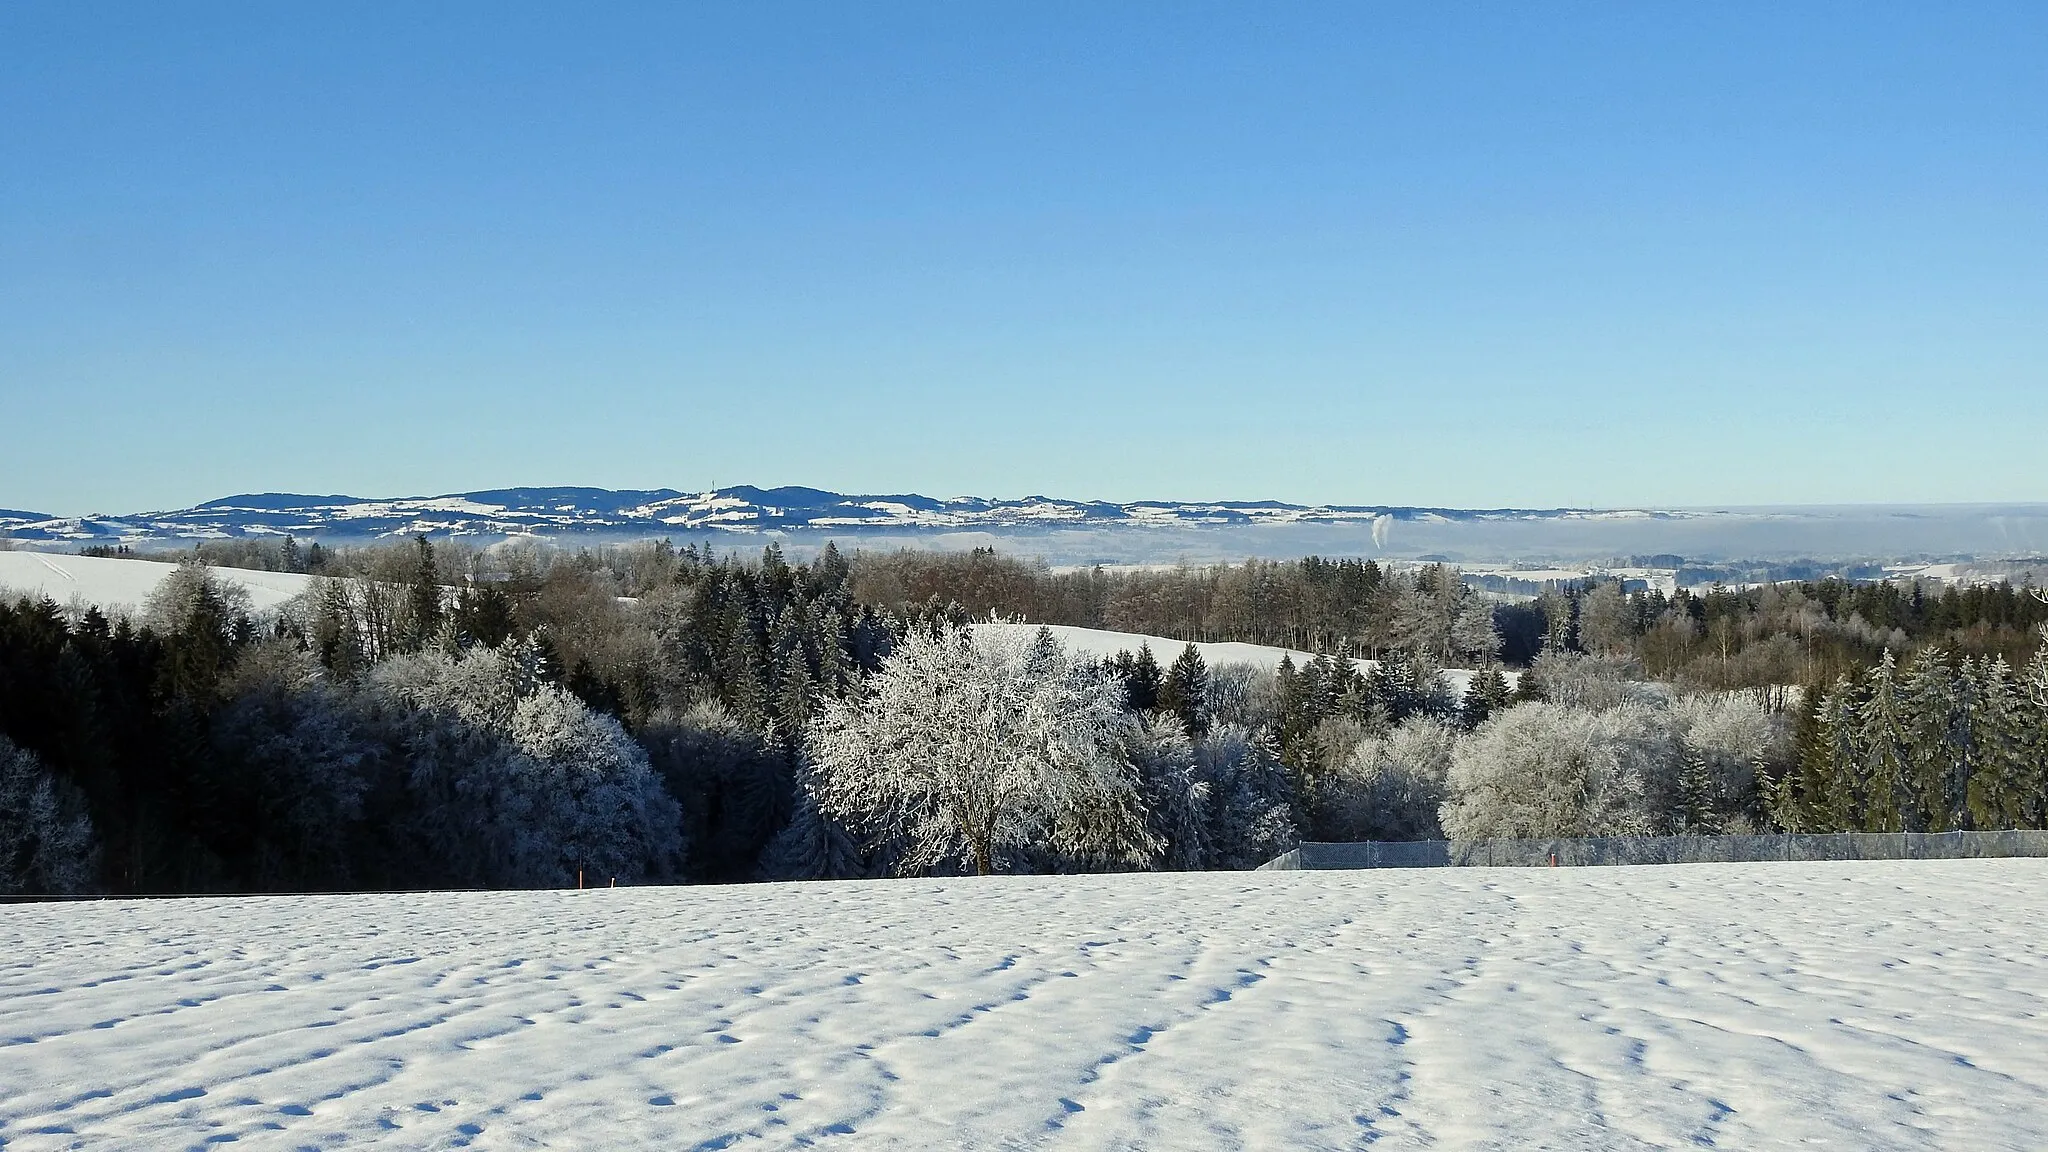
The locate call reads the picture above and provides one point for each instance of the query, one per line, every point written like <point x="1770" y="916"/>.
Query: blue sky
<point x="1456" y="254"/>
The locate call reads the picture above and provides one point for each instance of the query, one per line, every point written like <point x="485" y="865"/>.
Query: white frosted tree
<point x="597" y="800"/>
<point x="1390" y="787"/>
<point x="1725" y="737"/>
<point x="1251" y="816"/>
<point x="968" y="746"/>
<point x="516" y="782"/>
<point x="1545" y="770"/>
<point x="192" y="596"/>
<point x="47" y="845"/>
<point x="1175" y="791"/>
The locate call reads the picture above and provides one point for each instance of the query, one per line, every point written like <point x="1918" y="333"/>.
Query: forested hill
<point x="663" y="511"/>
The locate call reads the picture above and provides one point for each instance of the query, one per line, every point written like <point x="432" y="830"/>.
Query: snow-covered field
<point x="1104" y="644"/>
<point x="1875" y="1005"/>
<point x="117" y="583"/>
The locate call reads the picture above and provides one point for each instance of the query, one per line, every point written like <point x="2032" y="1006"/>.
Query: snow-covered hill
<point x="1869" y="1006"/>
<point x="744" y="509"/>
<point x="119" y="583"/>
<point x="1516" y="541"/>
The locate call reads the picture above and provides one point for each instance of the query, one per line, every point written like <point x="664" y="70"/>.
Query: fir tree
<point x="423" y="596"/>
<point x="1999" y="786"/>
<point x="2034" y="746"/>
<point x="1487" y="694"/>
<point x="1695" y="815"/>
<point x="1931" y="705"/>
<point x="1885" y="739"/>
<point x="1832" y="768"/>
<point x="1142" y="681"/>
<point x="1186" y="691"/>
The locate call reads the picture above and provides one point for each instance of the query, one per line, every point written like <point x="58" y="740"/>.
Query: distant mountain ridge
<point x="576" y="511"/>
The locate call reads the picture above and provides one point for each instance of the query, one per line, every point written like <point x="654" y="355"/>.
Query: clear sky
<point x="1457" y="254"/>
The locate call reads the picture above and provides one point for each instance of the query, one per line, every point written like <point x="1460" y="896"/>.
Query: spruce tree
<point x="1966" y="737"/>
<point x="1930" y="700"/>
<point x="2034" y="747"/>
<point x="1487" y="695"/>
<point x="1998" y="788"/>
<point x="1831" y="771"/>
<point x="1695" y="815"/>
<point x="1141" y="683"/>
<point x="1186" y="691"/>
<point x="424" y="596"/>
<point x="1886" y="746"/>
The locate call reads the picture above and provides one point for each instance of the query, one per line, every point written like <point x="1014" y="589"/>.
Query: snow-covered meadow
<point x="1103" y="644"/>
<point x="118" y="583"/>
<point x="1872" y="1005"/>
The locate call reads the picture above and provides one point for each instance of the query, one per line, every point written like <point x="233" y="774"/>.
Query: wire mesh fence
<point x="1600" y="850"/>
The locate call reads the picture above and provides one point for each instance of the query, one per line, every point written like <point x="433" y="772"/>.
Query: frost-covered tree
<point x="1433" y="614"/>
<point x="2006" y="773"/>
<point x="292" y="740"/>
<point x="1606" y="620"/>
<point x="812" y="846"/>
<point x="734" y="784"/>
<point x="1594" y="682"/>
<point x="1251" y="798"/>
<point x="1546" y="770"/>
<point x="1176" y="792"/>
<point x="1937" y="707"/>
<point x="1243" y="694"/>
<point x="1695" y="812"/>
<point x="2034" y="687"/>
<point x="969" y="745"/>
<point x="47" y="845"/>
<point x="1389" y="787"/>
<point x="1884" y="739"/>
<point x="598" y="801"/>
<point x="515" y="782"/>
<point x="1832" y="760"/>
<point x="191" y="598"/>
<point x="1725" y="738"/>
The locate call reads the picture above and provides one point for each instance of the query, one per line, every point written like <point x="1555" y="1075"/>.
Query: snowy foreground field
<point x="1872" y="1005"/>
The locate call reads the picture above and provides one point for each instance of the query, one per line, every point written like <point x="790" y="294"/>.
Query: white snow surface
<point x="112" y="582"/>
<point x="1846" y="1005"/>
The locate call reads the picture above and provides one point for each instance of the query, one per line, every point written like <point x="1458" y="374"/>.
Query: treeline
<point x="1344" y="607"/>
<point x="1944" y="744"/>
<point x="1806" y="633"/>
<point x="432" y="716"/>
<point x="393" y="732"/>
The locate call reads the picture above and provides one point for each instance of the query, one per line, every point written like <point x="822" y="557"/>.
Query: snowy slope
<point x="1103" y="644"/>
<point x="113" y="583"/>
<point x="1879" y="1005"/>
<point x="742" y="509"/>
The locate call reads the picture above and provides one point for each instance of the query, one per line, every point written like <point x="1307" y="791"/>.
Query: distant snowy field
<point x="1104" y="644"/>
<point x="117" y="583"/>
<point x="1875" y="1005"/>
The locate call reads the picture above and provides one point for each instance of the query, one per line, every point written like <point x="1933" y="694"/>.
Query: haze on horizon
<point x="1451" y="257"/>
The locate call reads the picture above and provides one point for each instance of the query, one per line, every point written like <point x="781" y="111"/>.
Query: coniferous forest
<point x="432" y="716"/>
